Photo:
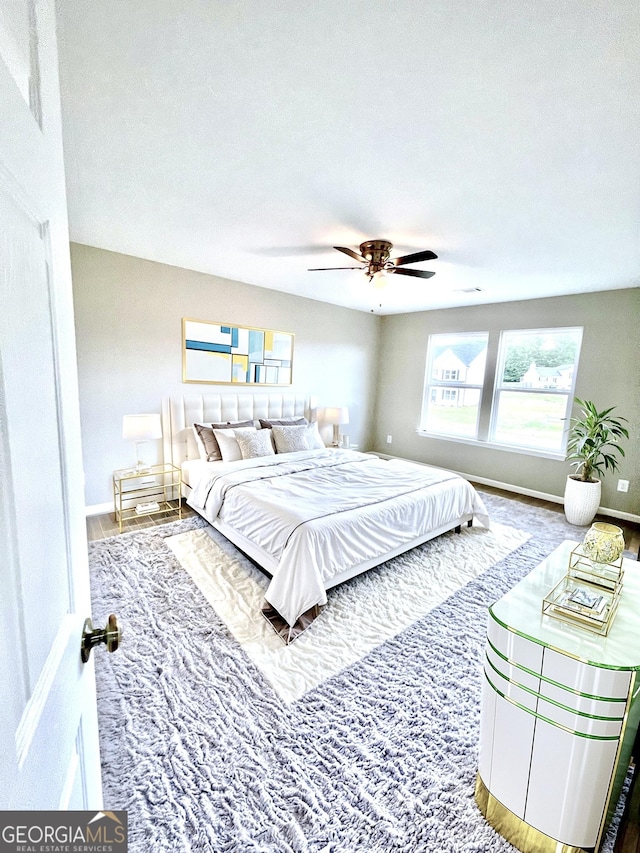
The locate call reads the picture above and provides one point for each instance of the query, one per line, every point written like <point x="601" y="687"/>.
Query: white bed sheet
<point x="193" y="470"/>
<point x="319" y="513"/>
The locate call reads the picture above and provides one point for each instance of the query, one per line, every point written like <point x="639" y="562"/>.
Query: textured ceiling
<point x="247" y="138"/>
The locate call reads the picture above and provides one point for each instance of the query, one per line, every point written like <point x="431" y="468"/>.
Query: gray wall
<point x="609" y="374"/>
<point x="129" y="341"/>
<point x="128" y="315"/>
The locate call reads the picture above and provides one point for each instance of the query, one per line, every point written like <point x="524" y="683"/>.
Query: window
<point x="534" y="387"/>
<point x="524" y="403"/>
<point x="453" y="409"/>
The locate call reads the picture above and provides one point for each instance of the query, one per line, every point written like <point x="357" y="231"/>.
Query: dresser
<point x="560" y="710"/>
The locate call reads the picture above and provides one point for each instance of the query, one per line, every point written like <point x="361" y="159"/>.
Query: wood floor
<point x="630" y="529"/>
<point x="628" y="841"/>
<point x="102" y="526"/>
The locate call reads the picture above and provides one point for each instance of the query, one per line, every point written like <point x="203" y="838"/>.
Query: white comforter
<point x="319" y="513"/>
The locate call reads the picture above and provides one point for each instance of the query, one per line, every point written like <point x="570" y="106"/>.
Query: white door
<point x="48" y="726"/>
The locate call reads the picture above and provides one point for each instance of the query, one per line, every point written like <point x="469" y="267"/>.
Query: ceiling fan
<point x="374" y="254"/>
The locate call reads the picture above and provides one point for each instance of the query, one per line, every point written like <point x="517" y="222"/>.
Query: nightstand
<point x="156" y="489"/>
<point x="560" y="712"/>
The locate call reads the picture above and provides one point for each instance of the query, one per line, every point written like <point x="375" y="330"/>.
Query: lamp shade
<point x="336" y="415"/>
<point x="141" y="427"/>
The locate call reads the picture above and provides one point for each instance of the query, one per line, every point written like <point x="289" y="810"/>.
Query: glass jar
<point x="603" y="543"/>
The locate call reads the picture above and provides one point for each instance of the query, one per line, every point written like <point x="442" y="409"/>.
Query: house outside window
<point x="523" y="402"/>
<point x="453" y="387"/>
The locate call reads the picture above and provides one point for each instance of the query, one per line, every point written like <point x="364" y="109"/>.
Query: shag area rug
<point x="359" y="615"/>
<point x="379" y="757"/>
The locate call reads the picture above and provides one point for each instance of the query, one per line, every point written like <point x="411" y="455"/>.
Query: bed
<point x="312" y="516"/>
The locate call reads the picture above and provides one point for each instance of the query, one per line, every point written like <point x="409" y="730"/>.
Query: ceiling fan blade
<point x="416" y="273"/>
<point x="319" y="269"/>
<point x="351" y="254"/>
<point x="413" y="259"/>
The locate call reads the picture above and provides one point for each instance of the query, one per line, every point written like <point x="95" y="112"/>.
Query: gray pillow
<point x="267" y="424"/>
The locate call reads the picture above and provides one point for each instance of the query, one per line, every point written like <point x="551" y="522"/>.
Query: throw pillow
<point x="267" y="424"/>
<point x="314" y="438"/>
<point x="206" y="441"/>
<point x="288" y="439"/>
<point x="229" y="447"/>
<point x="254" y="442"/>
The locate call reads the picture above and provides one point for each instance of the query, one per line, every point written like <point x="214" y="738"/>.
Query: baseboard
<point x="532" y="493"/>
<point x="98" y="509"/>
<point x="508" y="487"/>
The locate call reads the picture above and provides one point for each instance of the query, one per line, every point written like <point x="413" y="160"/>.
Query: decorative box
<point x="579" y="602"/>
<point x="607" y="575"/>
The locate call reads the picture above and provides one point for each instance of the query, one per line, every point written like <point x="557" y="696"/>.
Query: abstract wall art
<point x="220" y="353"/>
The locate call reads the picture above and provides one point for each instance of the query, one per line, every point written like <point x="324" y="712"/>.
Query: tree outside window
<point x="525" y="404"/>
<point x="534" y="388"/>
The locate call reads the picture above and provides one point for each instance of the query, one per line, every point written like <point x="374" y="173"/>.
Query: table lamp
<point x="141" y="429"/>
<point x="336" y="415"/>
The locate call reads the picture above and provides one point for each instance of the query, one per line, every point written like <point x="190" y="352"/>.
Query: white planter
<point x="581" y="501"/>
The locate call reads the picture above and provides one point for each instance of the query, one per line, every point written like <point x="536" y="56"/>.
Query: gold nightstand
<point x="139" y="493"/>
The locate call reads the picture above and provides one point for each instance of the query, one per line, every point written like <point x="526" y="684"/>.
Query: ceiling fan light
<point x="380" y="279"/>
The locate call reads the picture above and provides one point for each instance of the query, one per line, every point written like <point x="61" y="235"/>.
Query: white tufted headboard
<point x="180" y="413"/>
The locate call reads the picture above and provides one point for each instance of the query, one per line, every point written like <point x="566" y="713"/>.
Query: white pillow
<point x="254" y="442"/>
<point x="288" y="439"/>
<point x="314" y="438"/>
<point x="206" y="442"/>
<point x="228" y="444"/>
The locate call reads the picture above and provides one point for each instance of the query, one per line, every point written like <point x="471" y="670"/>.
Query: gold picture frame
<point x="228" y="354"/>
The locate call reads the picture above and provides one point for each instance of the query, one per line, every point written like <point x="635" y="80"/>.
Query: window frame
<point x="453" y="378"/>
<point x="431" y="385"/>
<point x="489" y="392"/>
<point x="500" y="386"/>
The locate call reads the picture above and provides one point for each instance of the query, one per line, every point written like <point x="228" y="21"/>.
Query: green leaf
<point x="592" y="444"/>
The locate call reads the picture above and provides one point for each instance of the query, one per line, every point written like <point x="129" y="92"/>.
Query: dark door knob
<point x="109" y="635"/>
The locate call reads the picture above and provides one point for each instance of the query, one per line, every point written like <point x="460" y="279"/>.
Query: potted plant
<point x="592" y="448"/>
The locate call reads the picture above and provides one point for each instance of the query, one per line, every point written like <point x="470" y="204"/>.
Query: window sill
<point x="491" y="445"/>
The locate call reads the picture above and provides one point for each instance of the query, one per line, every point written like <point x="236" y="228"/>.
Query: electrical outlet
<point x="623" y="485"/>
<point x="389" y="439"/>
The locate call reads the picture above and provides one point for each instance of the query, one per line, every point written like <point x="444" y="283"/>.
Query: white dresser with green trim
<point x="559" y="715"/>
